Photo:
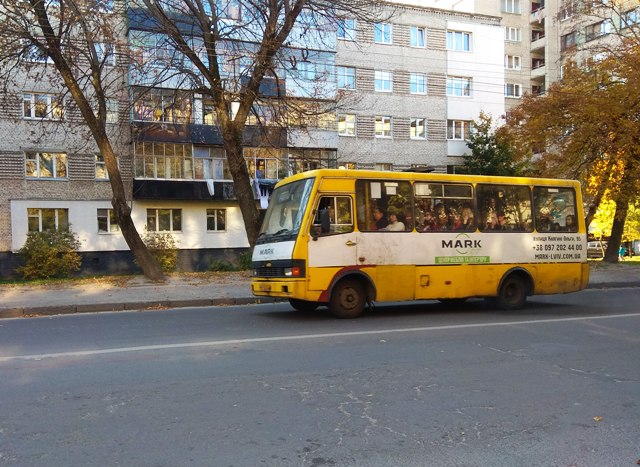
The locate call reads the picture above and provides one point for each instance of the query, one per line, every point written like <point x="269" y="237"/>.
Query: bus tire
<point x="513" y="293"/>
<point x="303" y="305"/>
<point x="348" y="299"/>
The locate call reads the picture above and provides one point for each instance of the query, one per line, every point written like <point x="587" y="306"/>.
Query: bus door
<point x="332" y="243"/>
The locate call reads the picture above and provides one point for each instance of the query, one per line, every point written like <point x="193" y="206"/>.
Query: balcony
<point x="538" y="68"/>
<point x="537" y="16"/>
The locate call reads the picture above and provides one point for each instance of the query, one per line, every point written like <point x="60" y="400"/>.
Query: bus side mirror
<point x="325" y="221"/>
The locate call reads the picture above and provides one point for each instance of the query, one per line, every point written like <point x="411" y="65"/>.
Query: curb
<point x="26" y="312"/>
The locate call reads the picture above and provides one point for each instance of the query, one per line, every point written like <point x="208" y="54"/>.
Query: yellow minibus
<point x="348" y="238"/>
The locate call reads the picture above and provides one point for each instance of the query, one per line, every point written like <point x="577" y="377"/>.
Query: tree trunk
<point x="617" y="229"/>
<point x="242" y="187"/>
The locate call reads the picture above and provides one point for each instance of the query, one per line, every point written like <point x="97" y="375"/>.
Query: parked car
<point x="596" y="249"/>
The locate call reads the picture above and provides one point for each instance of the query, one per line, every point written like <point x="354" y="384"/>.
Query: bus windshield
<point x="285" y="213"/>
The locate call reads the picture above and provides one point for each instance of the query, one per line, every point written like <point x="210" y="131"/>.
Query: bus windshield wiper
<point x="281" y="231"/>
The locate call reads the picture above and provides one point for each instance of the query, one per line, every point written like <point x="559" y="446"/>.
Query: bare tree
<point x="70" y="42"/>
<point x="246" y="55"/>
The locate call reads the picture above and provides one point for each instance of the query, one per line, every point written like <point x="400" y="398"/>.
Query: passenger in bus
<point x="456" y="220"/>
<point x="491" y="214"/>
<point x="379" y="219"/>
<point x="442" y="217"/>
<point x="394" y="224"/>
<point x="501" y="224"/>
<point x="408" y="218"/>
<point x="468" y="221"/>
<point x="429" y="222"/>
<point x="570" y="223"/>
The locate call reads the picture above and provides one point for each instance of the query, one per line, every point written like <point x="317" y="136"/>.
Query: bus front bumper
<point x="278" y="288"/>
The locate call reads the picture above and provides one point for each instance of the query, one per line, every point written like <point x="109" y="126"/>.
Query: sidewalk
<point x="189" y="289"/>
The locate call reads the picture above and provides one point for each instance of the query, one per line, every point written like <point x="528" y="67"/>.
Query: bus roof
<point x="422" y="176"/>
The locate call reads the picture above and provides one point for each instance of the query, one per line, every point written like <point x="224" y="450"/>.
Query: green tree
<point x="587" y="127"/>
<point x="490" y="154"/>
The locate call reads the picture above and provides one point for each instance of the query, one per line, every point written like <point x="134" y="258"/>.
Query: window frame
<point x="417" y="136"/>
<point x="346" y="29"/>
<point x="414" y="82"/>
<point x="346" y="77"/>
<point x="383" y="81"/>
<point x="458" y="41"/>
<point x="510" y="32"/>
<point x="350" y="122"/>
<point x="452" y="129"/>
<point x="57" y="227"/>
<point x="383" y="33"/>
<point x="213" y="214"/>
<point x="159" y="215"/>
<point x="461" y="84"/>
<point x="54" y="105"/>
<point x="417" y="37"/>
<point x="37" y="163"/>
<point x="109" y="220"/>
<point x="511" y="6"/>
<point x="516" y="90"/>
<point x="381" y="123"/>
<point x="513" y="62"/>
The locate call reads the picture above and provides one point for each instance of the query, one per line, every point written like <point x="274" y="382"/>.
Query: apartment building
<point x="411" y="86"/>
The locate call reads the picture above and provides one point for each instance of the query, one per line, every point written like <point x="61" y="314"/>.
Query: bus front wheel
<point x="348" y="299"/>
<point x="303" y="305"/>
<point x="513" y="293"/>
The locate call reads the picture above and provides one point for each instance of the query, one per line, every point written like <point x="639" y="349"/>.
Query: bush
<point x="49" y="254"/>
<point x="243" y="264"/>
<point x="245" y="261"/>
<point x="163" y="248"/>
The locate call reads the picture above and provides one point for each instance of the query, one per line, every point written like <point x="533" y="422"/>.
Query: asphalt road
<point x="555" y="384"/>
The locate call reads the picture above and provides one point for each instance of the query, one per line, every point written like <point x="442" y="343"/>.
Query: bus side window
<point x="333" y="216"/>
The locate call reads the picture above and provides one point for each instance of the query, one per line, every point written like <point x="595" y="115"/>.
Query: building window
<point x="346" y="77"/>
<point x="106" y="53"/>
<point x="458" y="129"/>
<point x="107" y="222"/>
<point x="40" y="220"/>
<point x="417" y="36"/>
<point x="347" y="125"/>
<point x="216" y="220"/>
<point x="598" y="29"/>
<point x="459" y="41"/>
<point x="458" y="86"/>
<point x="164" y="220"/>
<point x="231" y="9"/>
<point x="383" y="33"/>
<point x="383" y="126"/>
<point x="384" y="81"/>
<point x="162" y="105"/>
<point x="112" y="110"/>
<point x="512" y="90"/>
<point x="568" y="40"/>
<point x="210" y="163"/>
<point x="631" y="18"/>
<point x="347" y="29"/>
<point x="511" y="6"/>
<point x="512" y="62"/>
<point x="512" y="34"/>
<point x="417" y="83"/>
<point x="101" y="168"/>
<point x="34" y="54"/>
<point x="164" y="161"/>
<point x="42" y="106"/>
<point x="45" y="165"/>
<point x="418" y="128"/>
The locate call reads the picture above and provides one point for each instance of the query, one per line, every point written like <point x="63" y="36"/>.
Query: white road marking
<point x="254" y="340"/>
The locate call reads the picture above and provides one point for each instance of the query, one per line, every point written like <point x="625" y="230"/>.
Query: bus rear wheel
<point x="513" y="293"/>
<point x="303" y="305"/>
<point x="348" y="299"/>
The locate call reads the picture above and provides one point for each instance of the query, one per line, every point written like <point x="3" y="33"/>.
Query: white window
<point x="630" y="18"/>
<point x="231" y="9"/>
<point x="512" y="90"/>
<point x="164" y="220"/>
<point x="40" y="220"/>
<point x="418" y="128"/>
<point x="106" y="53"/>
<point x="417" y="36"/>
<point x="101" y="169"/>
<point x="383" y="126"/>
<point x="459" y="40"/>
<point x="417" y="83"/>
<point x="107" y="222"/>
<point x="45" y="165"/>
<point x="383" y="33"/>
<point x="384" y="81"/>
<point x="458" y="86"/>
<point x="458" y="129"/>
<point x="216" y="220"/>
<point x="568" y="41"/>
<point x="598" y="29"/>
<point x="210" y="163"/>
<point x="42" y="106"/>
<point x="112" y="110"/>
<point x="34" y="55"/>
<point x="512" y="62"/>
<point x="346" y="77"/>
<point x="512" y="34"/>
<point x="511" y="6"/>
<point x="347" y="29"/>
<point x="164" y="161"/>
<point x="347" y="125"/>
